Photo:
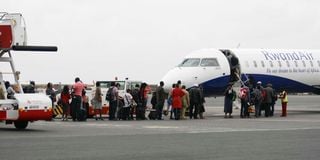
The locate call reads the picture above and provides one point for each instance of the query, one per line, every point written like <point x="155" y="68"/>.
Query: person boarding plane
<point x="293" y="69"/>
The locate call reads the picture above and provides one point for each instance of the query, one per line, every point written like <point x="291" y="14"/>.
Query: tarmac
<point x="294" y="137"/>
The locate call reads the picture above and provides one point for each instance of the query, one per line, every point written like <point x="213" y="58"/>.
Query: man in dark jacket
<point x="137" y="100"/>
<point x="160" y="97"/>
<point x="269" y="94"/>
<point x="195" y="101"/>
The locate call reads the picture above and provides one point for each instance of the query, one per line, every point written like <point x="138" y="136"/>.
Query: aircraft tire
<point x="21" y="124"/>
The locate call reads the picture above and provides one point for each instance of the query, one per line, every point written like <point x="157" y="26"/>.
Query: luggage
<point x="82" y="116"/>
<point x="153" y="114"/>
<point x="251" y="109"/>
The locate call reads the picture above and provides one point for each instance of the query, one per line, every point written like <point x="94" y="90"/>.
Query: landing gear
<point x="21" y="124"/>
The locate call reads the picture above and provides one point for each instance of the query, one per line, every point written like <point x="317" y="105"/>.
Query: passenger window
<point x="255" y="64"/>
<point x="105" y="84"/>
<point x="190" y="62"/>
<point x="319" y="63"/>
<point x="288" y="63"/>
<point x="209" y="62"/>
<point x="304" y="63"/>
<point x="271" y="64"/>
<point x="122" y="85"/>
<point x="262" y="64"/>
<point x="279" y="62"/>
<point x="296" y="63"/>
<point x="311" y="63"/>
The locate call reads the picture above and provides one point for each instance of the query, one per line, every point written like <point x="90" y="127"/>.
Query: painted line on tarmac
<point x="287" y="120"/>
<point x="82" y="124"/>
<point x="227" y="130"/>
<point x="160" y="127"/>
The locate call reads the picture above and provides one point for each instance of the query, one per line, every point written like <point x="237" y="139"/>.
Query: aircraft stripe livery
<point x="213" y="69"/>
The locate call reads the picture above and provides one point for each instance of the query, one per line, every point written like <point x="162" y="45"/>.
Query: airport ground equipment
<point x="105" y="85"/>
<point x="23" y="108"/>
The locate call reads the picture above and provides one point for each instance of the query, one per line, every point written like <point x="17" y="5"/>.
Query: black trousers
<point x="177" y="113"/>
<point x="140" y="113"/>
<point x="76" y="105"/>
<point x="267" y="110"/>
<point x="196" y="107"/>
<point x="159" y="108"/>
<point x="112" y="110"/>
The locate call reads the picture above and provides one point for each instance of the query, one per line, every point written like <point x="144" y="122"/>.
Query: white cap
<point x="259" y="82"/>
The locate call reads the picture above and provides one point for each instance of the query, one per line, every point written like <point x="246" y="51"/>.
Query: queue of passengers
<point x="135" y="101"/>
<point x="178" y="100"/>
<point x="79" y="101"/>
<point x="262" y="98"/>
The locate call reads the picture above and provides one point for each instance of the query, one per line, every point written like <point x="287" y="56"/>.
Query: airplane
<point x="22" y="108"/>
<point x="295" y="70"/>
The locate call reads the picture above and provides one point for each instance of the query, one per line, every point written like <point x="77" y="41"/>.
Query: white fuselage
<point x="294" y="70"/>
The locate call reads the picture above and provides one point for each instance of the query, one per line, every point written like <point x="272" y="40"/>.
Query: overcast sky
<point x="143" y="39"/>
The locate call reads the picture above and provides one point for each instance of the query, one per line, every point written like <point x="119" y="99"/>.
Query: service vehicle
<point x="21" y="108"/>
<point x="105" y="85"/>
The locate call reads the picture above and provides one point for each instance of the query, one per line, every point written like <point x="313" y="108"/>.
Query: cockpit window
<point x="190" y="62"/>
<point x="209" y="62"/>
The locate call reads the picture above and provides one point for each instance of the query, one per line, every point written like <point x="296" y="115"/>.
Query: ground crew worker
<point x="284" y="101"/>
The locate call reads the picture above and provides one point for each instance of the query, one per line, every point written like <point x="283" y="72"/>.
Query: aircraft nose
<point x="170" y="78"/>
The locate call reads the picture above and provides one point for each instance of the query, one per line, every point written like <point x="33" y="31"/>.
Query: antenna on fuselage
<point x="239" y="44"/>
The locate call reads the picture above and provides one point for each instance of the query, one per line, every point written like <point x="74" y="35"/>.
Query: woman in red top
<point x="65" y="97"/>
<point x="176" y="95"/>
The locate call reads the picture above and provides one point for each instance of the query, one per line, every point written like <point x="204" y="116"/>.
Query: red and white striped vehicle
<point x="22" y="108"/>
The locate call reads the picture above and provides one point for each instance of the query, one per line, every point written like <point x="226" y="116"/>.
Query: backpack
<point x="110" y="96"/>
<point x="264" y="95"/>
<point x="243" y="93"/>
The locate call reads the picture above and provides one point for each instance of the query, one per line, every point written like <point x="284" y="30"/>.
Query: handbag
<point x="251" y="109"/>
